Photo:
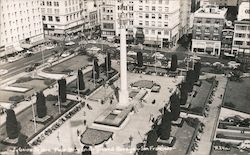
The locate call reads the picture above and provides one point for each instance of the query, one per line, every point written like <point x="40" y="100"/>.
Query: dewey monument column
<point x="123" y="94"/>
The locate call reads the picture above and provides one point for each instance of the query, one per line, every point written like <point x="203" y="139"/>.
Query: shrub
<point x="51" y="97"/>
<point x="41" y="105"/>
<point x="24" y="79"/>
<point x="220" y="135"/>
<point x="11" y="124"/>
<point x="16" y="98"/>
<point x="49" y="81"/>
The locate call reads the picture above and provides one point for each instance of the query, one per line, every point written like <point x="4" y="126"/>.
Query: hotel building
<point x="208" y="24"/>
<point x="21" y="24"/>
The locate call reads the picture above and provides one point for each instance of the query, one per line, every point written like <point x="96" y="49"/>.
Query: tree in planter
<point x="96" y="70"/>
<point x="139" y="59"/>
<point x="174" y="63"/>
<point x="11" y="124"/>
<point x="41" y="105"/>
<point x="175" y="106"/>
<point x="80" y="80"/>
<point x="165" y="126"/>
<point x="197" y="70"/>
<point x="62" y="90"/>
<point x="152" y="138"/>
<point x="184" y="93"/>
<point x="108" y="62"/>
<point x="190" y="79"/>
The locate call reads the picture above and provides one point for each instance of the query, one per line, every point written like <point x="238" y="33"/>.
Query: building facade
<point x="241" y="40"/>
<point x="21" y="23"/>
<point x="150" y="22"/>
<point x="227" y="41"/>
<point x="68" y="17"/>
<point x="208" y="24"/>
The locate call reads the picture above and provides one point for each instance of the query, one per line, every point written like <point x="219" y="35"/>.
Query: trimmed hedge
<point x="24" y="79"/>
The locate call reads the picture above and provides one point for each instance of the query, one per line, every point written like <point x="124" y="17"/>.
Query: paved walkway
<point x="204" y="145"/>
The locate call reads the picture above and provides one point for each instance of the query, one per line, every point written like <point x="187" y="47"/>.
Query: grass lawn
<point x="95" y="137"/>
<point x="69" y="65"/>
<point x="233" y="151"/>
<point x="26" y="126"/>
<point x="89" y="83"/>
<point x="35" y="84"/>
<point x="238" y="93"/>
<point x="199" y="101"/>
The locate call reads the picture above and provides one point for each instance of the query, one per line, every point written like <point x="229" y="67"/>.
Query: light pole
<point x="34" y="117"/>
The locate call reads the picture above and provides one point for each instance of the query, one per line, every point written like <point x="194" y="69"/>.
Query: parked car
<point x="12" y="59"/>
<point x="70" y="43"/>
<point x="3" y="71"/>
<point x="32" y="67"/>
<point x="52" y="59"/>
<point x="65" y="54"/>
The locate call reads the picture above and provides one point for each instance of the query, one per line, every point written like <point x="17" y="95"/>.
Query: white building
<point x="241" y="40"/>
<point x="66" y="17"/>
<point x="208" y="25"/>
<point x="185" y="13"/>
<point x="151" y="22"/>
<point x="21" y="24"/>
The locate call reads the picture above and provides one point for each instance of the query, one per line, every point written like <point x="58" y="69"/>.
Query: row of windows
<point x="130" y="8"/>
<point x="153" y="23"/>
<point x="22" y="28"/>
<point x="207" y="30"/>
<point x="19" y="13"/>
<point x="153" y="8"/>
<point x="22" y="21"/>
<point x="107" y="10"/>
<point x="156" y="32"/>
<point x="239" y="27"/>
<point x="154" y="1"/>
<point x="50" y="18"/>
<point x="33" y="3"/>
<point x="207" y="37"/>
<point x="69" y="2"/>
<point x="49" y="3"/>
<point x="153" y="16"/>
<point x="23" y="36"/>
<point x="207" y="20"/>
<point x="241" y="43"/>
<point x="242" y="35"/>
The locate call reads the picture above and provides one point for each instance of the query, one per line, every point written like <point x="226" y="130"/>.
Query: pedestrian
<point x="78" y="132"/>
<point x="84" y="122"/>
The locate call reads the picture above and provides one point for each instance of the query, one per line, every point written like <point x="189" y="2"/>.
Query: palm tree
<point x="41" y="105"/>
<point x="11" y="124"/>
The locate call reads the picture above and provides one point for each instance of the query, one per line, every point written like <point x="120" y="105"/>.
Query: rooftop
<point x="211" y="11"/>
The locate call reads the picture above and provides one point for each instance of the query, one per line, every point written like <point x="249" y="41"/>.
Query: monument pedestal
<point x="179" y="122"/>
<point x="12" y="142"/>
<point x="169" y="142"/>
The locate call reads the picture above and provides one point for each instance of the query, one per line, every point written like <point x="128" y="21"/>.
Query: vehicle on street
<point x="233" y="64"/>
<point x="65" y="54"/>
<point x="13" y="59"/>
<point x="31" y="67"/>
<point x="3" y="71"/>
<point x="52" y="59"/>
<point x="70" y="43"/>
<point x="49" y="47"/>
<point x="132" y="53"/>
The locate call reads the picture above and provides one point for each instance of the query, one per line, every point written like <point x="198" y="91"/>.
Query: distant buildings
<point x="150" y="22"/>
<point x="21" y="24"/>
<point x="65" y="17"/>
<point x="241" y="40"/>
<point x="227" y="40"/>
<point x="208" y="24"/>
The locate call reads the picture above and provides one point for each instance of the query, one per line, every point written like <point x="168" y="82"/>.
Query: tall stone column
<point x="123" y="94"/>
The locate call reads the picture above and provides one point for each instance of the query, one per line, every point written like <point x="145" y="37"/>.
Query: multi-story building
<point x="227" y="40"/>
<point x="185" y="13"/>
<point x="208" y="24"/>
<point x="150" y="22"/>
<point x="21" y="23"/>
<point x="241" y="40"/>
<point x="224" y="2"/>
<point x="65" y="17"/>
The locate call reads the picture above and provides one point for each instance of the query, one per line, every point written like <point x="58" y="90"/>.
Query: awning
<point x="152" y="42"/>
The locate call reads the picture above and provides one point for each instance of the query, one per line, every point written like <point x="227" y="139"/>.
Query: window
<point x="216" y="30"/>
<point x="159" y="24"/>
<point x="248" y="43"/>
<point x="153" y="16"/>
<point x="44" y="18"/>
<point x="208" y="21"/>
<point x="43" y="3"/>
<point x="160" y="1"/>
<point x="147" y="23"/>
<point x="140" y="15"/>
<point x="140" y="23"/>
<point x="58" y="19"/>
<point x="238" y="42"/>
<point x="50" y="18"/>
<point x="49" y="3"/>
<point x="146" y="15"/>
<point x="215" y="38"/>
<point x="56" y="3"/>
<point x="108" y="26"/>
<point x="238" y="27"/>
<point x="159" y="32"/>
<point x="159" y="16"/>
<point x="160" y="8"/>
<point x="146" y="31"/>
<point x="166" y="9"/>
<point x="67" y="18"/>
<point x="207" y="29"/>
<point x="153" y="31"/>
<point x="166" y="24"/>
<point x="166" y="17"/>
<point x="240" y="35"/>
<point x="153" y="23"/>
<point x="147" y="8"/>
<point x="153" y="8"/>
<point x="140" y="8"/>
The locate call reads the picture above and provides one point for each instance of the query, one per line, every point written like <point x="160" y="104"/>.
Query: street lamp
<point x="34" y="117"/>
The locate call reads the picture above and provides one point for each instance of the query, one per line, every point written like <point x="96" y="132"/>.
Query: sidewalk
<point x="204" y="145"/>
